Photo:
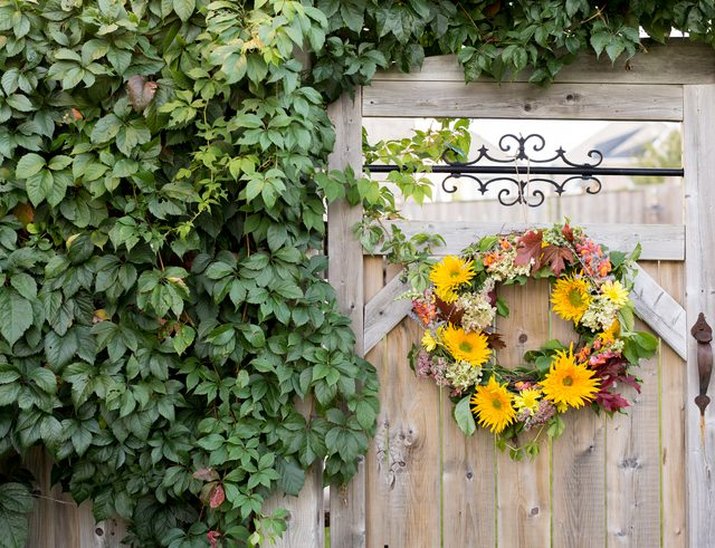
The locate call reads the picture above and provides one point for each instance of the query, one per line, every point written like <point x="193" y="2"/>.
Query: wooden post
<point x="699" y="143"/>
<point x="347" y="504"/>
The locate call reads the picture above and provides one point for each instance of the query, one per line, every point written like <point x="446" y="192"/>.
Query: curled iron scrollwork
<point x="522" y="187"/>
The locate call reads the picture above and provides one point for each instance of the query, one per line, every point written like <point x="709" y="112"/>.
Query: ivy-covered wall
<point x="162" y="301"/>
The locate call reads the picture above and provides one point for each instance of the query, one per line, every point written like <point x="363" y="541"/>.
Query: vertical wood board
<point x="578" y="498"/>
<point x="672" y="378"/>
<point x="633" y="461"/>
<point x="523" y="492"/>
<point x="699" y="163"/>
<point x="347" y="505"/>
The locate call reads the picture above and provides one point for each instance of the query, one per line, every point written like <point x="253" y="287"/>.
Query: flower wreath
<point x="590" y="288"/>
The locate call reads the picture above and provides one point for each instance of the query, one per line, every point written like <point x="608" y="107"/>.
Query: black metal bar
<point x="542" y="170"/>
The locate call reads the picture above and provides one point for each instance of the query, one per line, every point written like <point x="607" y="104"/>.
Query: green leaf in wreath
<point x="556" y="427"/>
<point x="463" y="416"/>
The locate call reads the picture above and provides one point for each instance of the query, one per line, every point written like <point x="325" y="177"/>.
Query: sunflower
<point x="466" y="346"/>
<point x="569" y="383"/>
<point x="570" y="298"/>
<point x="615" y="292"/>
<point x="528" y="399"/>
<point x="492" y="403"/>
<point x="448" y="274"/>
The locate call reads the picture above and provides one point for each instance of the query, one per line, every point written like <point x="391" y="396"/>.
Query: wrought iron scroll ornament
<point x="526" y="175"/>
<point x="520" y="149"/>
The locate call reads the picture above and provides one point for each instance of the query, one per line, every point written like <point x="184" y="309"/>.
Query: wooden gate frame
<point x="668" y="83"/>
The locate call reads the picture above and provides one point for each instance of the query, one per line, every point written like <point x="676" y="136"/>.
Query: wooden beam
<point x="699" y="162"/>
<point x="653" y="305"/>
<point x="345" y="273"/>
<point x="491" y="100"/>
<point x="660" y="311"/>
<point x="658" y="242"/>
<point x="383" y="312"/>
<point x="678" y="62"/>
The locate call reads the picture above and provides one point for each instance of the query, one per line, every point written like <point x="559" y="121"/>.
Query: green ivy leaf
<point x="15" y="506"/>
<point x="15" y="315"/>
<point x="184" y="8"/>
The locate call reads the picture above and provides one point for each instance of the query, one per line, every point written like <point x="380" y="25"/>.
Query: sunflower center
<point x="464" y="346"/>
<point x="454" y="274"/>
<point x="496" y="403"/>
<point x="575" y="297"/>
<point x="568" y="381"/>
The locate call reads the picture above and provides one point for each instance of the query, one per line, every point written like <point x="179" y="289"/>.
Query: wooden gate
<point x="641" y="479"/>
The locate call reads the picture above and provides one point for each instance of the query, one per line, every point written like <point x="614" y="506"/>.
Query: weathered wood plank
<point x="633" y="463"/>
<point x="660" y="311"/>
<point x="490" y="100"/>
<point x="699" y="162"/>
<point x="345" y="273"/>
<point x="383" y="312"/>
<point x="672" y="378"/>
<point x="658" y="242"/>
<point x="578" y="502"/>
<point x="678" y="62"/>
<point x="523" y="497"/>
<point x="468" y="483"/>
<point x="404" y="470"/>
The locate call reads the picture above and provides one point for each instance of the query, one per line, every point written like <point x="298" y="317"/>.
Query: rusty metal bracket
<point x="703" y="333"/>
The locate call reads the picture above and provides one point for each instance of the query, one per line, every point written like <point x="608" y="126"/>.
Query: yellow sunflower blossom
<point x="448" y="274"/>
<point x="568" y="383"/>
<point x="492" y="403"/>
<point x="466" y="346"/>
<point x="615" y="292"/>
<point x="570" y="298"/>
<point x="428" y="342"/>
<point x="528" y="399"/>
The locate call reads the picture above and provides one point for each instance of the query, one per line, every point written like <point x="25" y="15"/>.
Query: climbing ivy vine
<point x="167" y="332"/>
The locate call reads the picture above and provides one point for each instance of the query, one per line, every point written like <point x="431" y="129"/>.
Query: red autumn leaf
<point x="567" y="232"/>
<point x="217" y="496"/>
<point x="495" y="341"/>
<point x="449" y="312"/>
<point x="205" y="474"/>
<point x="24" y="213"/>
<point x="529" y="247"/>
<point x="556" y="257"/>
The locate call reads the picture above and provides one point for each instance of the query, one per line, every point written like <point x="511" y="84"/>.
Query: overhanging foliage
<point x="163" y="310"/>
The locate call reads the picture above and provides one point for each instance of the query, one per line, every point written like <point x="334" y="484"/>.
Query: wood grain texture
<point x="578" y="499"/>
<point x="699" y="144"/>
<point x="660" y="311"/>
<point x="490" y="100"/>
<point x="383" y="311"/>
<point x="672" y="378"/>
<point x="678" y="62"/>
<point x="523" y="494"/>
<point x="345" y="273"/>
<point x="633" y="462"/>
<point x="404" y="464"/>
<point x="57" y="521"/>
<point x="658" y="242"/>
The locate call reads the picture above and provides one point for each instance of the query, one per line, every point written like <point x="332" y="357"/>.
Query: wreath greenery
<point x="590" y="288"/>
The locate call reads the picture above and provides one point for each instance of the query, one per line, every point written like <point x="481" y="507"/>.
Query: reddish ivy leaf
<point x="205" y="474"/>
<point x="217" y="496"/>
<point x="529" y="247"/>
<point x="213" y="536"/>
<point x="556" y="257"/>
